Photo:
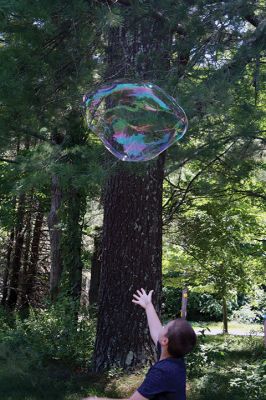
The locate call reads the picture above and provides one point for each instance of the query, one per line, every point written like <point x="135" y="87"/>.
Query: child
<point x="166" y="379"/>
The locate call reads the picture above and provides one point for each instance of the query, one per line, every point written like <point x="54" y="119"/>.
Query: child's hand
<point x="142" y="298"/>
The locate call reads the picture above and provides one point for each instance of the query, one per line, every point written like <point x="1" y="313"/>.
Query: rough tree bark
<point x="132" y="250"/>
<point x="55" y="237"/>
<point x="96" y="264"/>
<point x="8" y="265"/>
<point x="31" y="271"/>
<point x="73" y="264"/>
<point x="132" y="229"/>
<point x="16" y="261"/>
<point x="26" y="249"/>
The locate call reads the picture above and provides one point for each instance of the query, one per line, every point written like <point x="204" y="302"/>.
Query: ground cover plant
<point x="230" y="367"/>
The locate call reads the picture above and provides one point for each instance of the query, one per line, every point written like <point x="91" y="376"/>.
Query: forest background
<point x="80" y="231"/>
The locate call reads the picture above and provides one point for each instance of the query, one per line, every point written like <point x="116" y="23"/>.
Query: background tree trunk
<point x="16" y="261"/>
<point x="7" y="268"/>
<point x="30" y="273"/>
<point x="225" y="318"/>
<point x="74" y="210"/>
<point x="184" y="303"/>
<point x="55" y="238"/>
<point x="96" y="264"/>
<point x="26" y="249"/>
<point x="54" y="221"/>
<point x="76" y="201"/>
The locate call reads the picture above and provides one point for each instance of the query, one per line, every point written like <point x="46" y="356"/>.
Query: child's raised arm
<point x="144" y="300"/>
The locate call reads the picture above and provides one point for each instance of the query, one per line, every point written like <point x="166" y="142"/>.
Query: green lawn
<point x="224" y="368"/>
<point x="234" y="327"/>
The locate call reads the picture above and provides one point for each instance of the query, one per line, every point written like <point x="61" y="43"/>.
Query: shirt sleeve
<point x="155" y="382"/>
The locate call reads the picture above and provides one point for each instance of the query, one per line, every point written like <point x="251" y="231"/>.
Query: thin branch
<point x="8" y="161"/>
<point x="190" y="184"/>
<point x="251" y="193"/>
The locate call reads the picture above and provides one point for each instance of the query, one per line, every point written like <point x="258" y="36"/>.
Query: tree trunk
<point x="8" y="266"/>
<point x="53" y="222"/>
<point x="132" y="229"/>
<point x="96" y="263"/>
<point x="55" y="238"/>
<point x="16" y="261"/>
<point x="184" y="303"/>
<point x="132" y="250"/>
<point x="30" y="273"/>
<point x="225" y="319"/>
<point x="26" y="250"/>
<point x="74" y="210"/>
<point x="73" y="244"/>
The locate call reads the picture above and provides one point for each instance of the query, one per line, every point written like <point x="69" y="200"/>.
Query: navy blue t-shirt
<point x="165" y="380"/>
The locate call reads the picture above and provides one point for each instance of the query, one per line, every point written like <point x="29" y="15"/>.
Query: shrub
<point x="253" y="309"/>
<point x="247" y="381"/>
<point x="204" y="354"/>
<point x="227" y="368"/>
<point x="47" y="336"/>
<point x="201" y="306"/>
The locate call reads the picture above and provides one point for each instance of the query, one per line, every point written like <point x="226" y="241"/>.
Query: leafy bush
<point x="253" y="309"/>
<point x="204" y="354"/>
<point x="218" y="368"/>
<point x="47" y="336"/>
<point x="247" y="381"/>
<point x="245" y="314"/>
<point x="201" y="306"/>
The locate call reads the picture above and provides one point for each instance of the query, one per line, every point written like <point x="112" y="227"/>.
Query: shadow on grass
<point x="223" y="386"/>
<point x="44" y="385"/>
<point x="232" y="369"/>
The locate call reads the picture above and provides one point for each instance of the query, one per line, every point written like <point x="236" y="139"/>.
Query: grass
<point x="227" y="368"/>
<point x="234" y="327"/>
<point x="231" y="367"/>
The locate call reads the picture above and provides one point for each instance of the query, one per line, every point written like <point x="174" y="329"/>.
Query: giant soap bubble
<point x="135" y="121"/>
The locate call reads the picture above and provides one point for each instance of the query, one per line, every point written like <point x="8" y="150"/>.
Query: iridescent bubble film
<point x="135" y="121"/>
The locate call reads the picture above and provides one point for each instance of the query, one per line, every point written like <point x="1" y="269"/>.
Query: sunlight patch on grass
<point x="234" y="327"/>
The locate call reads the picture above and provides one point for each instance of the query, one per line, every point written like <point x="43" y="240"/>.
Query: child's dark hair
<point x="181" y="338"/>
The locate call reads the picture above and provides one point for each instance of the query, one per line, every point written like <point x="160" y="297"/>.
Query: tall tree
<point x="30" y="269"/>
<point x="219" y="248"/>
<point x="17" y="255"/>
<point x="132" y="228"/>
<point x="46" y="64"/>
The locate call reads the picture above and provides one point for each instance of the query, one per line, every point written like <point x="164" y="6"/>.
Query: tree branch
<point x="252" y="19"/>
<point x="8" y="161"/>
<point x="175" y="207"/>
<point x="251" y="193"/>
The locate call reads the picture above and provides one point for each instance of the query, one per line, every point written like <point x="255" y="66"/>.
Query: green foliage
<point x="253" y="309"/>
<point x="218" y="368"/>
<point x="52" y="52"/>
<point x="47" y="336"/>
<point x="246" y="314"/>
<point x="248" y="381"/>
<point x="201" y="306"/>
